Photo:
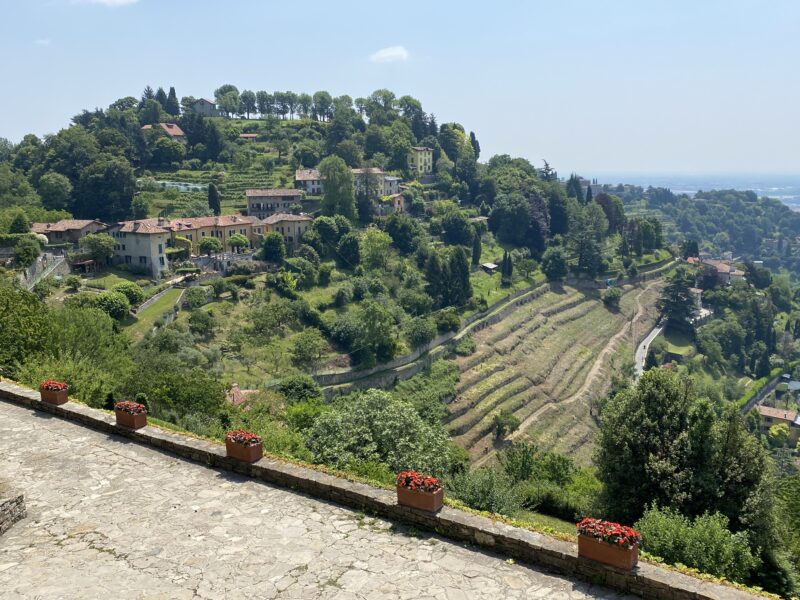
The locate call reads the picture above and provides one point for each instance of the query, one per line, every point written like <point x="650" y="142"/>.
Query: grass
<point x="145" y="320"/>
<point x="537" y="521"/>
<point x="678" y="342"/>
<point x="111" y="278"/>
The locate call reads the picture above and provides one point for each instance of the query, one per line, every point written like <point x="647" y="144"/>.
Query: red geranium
<point x="613" y="533"/>
<point x="243" y="438"/>
<point x="414" y="481"/>
<point x="51" y="385"/>
<point x="132" y="408"/>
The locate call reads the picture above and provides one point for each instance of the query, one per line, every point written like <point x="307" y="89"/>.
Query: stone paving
<point x="113" y="520"/>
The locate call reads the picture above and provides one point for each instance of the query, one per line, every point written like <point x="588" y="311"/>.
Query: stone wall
<point x="12" y="507"/>
<point x="555" y="555"/>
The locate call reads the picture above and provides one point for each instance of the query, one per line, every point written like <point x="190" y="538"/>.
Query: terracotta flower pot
<point x="249" y="454"/>
<point x="126" y="419"/>
<point x="52" y="397"/>
<point x="428" y="501"/>
<point x="609" y="554"/>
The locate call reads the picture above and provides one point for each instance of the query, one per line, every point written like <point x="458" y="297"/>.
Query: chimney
<point x="161" y="221"/>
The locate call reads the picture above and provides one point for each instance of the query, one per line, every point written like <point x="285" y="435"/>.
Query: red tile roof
<point x="272" y="192"/>
<point x="64" y="225"/>
<point x="248" y="136"/>
<point x="143" y="226"/>
<point x="777" y="413"/>
<point x="187" y="223"/>
<point x="306" y="175"/>
<point x="171" y="129"/>
<point x="277" y="218"/>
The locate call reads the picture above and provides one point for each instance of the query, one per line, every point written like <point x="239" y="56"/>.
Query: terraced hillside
<point x="546" y="363"/>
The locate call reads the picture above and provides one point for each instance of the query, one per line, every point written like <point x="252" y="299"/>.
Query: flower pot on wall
<point x="251" y="453"/>
<point x="132" y="421"/>
<point x="421" y="500"/>
<point x="54" y="397"/>
<point x="614" y="555"/>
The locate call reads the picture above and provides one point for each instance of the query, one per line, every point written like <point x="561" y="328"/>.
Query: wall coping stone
<point x="648" y="580"/>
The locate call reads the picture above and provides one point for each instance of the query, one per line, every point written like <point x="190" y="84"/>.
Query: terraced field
<point x="547" y="362"/>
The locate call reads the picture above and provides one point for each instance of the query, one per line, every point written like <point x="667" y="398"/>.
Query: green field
<point x="678" y="342"/>
<point x="145" y="320"/>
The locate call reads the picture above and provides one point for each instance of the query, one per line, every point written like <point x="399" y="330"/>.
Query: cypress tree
<point x="588" y="194"/>
<point x="476" y="250"/>
<point x="433" y="275"/>
<point x="213" y="199"/>
<point x="161" y="97"/>
<point x="172" y="106"/>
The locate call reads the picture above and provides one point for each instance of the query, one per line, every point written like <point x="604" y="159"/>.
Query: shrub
<point x="611" y="297"/>
<point x="343" y="296"/>
<point x="299" y="388"/>
<point x="465" y="346"/>
<point x="704" y="543"/>
<point x="447" y="320"/>
<point x="133" y="292"/>
<point x="196" y="296"/>
<point x="485" y="489"/>
<point x="420" y="331"/>
<point x="73" y="282"/>
<point x="114" y="304"/>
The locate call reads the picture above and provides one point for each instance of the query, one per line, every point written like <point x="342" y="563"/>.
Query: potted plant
<point x="244" y="445"/>
<point x="609" y="543"/>
<point x="131" y="414"/>
<point x="53" y="392"/>
<point x="419" y="491"/>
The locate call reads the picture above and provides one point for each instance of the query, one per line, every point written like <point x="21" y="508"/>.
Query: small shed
<point x="489" y="267"/>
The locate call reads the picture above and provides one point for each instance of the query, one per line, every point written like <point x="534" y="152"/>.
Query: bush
<point x="447" y="320"/>
<point x="196" y="296"/>
<point x="485" y="489"/>
<point x="299" y="388"/>
<point x="73" y="282"/>
<point x="704" y="543"/>
<point x="465" y="346"/>
<point x="611" y="297"/>
<point x="343" y="296"/>
<point x="134" y="293"/>
<point x="420" y="331"/>
<point x="114" y="304"/>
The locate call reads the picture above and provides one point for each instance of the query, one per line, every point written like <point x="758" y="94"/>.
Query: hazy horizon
<point x="677" y="88"/>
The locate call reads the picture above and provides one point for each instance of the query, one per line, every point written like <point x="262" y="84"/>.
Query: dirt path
<point x="591" y="376"/>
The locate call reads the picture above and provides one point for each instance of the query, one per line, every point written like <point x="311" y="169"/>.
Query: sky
<point x="651" y="86"/>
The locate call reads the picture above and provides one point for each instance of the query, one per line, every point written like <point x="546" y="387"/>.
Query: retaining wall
<point x="557" y="556"/>
<point x="12" y="507"/>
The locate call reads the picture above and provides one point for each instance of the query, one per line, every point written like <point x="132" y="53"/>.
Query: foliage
<point x="207" y="245"/>
<point x="379" y="428"/>
<point x="504" y="422"/>
<point x="133" y="292"/>
<point x="612" y="296"/>
<point x="485" y="489"/>
<point x="114" y="303"/>
<point x="612" y="533"/>
<point x="704" y="543"/>
<point x="100" y="246"/>
<point x="465" y="346"/>
<point x="299" y="388"/>
<point x="273" y="249"/>
<point x="554" y="263"/>
<point x="415" y="481"/>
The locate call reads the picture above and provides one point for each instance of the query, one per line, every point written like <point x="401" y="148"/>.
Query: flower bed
<point x="131" y="414"/>
<point x="609" y="543"/>
<point x="53" y="392"/>
<point x="244" y="445"/>
<point x="419" y="491"/>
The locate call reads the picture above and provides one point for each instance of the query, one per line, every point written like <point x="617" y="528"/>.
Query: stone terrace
<point x="108" y="518"/>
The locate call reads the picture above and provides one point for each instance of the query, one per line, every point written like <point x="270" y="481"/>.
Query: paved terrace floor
<point x="110" y="519"/>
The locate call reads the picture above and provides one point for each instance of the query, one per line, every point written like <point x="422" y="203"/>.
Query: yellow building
<point x="420" y="161"/>
<point x="291" y="227"/>
<point x="222" y="228"/>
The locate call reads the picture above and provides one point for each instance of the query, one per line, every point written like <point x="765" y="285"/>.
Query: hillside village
<point x="306" y="267"/>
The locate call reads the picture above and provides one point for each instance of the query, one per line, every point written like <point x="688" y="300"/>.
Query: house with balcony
<point x="262" y="203"/>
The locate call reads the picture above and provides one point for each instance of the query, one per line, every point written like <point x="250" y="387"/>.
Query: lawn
<point x="541" y="522"/>
<point x="109" y="279"/>
<point x="678" y="342"/>
<point x="145" y="320"/>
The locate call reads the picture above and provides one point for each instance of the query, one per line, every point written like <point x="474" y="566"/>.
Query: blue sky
<point x="616" y="86"/>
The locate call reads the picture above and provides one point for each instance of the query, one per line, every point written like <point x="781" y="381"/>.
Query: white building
<point x="141" y="243"/>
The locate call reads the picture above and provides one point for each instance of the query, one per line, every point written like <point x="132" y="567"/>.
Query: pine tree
<point x="213" y="199"/>
<point x="161" y="97"/>
<point x="476" y="250"/>
<point x="588" y="194"/>
<point x="433" y="275"/>
<point x="172" y="106"/>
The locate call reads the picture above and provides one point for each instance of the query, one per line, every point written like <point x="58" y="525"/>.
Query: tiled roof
<point x="64" y="225"/>
<point x="422" y="148"/>
<point x="272" y="192"/>
<point x="777" y="413"/>
<point x="204" y="100"/>
<point x="238" y="396"/>
<point x="248" y="136"/>
<point x="143" y="226"/>
<point x="187" y="223"/>
<point x="372" y="170"/>
<point x="306" y="175"/>
<point x="277" y="218"/>
<point x="171" y="129"/>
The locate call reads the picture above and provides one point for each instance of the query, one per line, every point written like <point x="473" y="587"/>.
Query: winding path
<point x="591" y="376"/>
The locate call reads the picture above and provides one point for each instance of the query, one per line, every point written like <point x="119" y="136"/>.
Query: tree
<point x="339" y="195"/>
<point x="457" y="288"/>
<point x="504" y="422"/>
<point x="307" y="347"/>
<point x="554" y="263"/>
<point x="100" y="246"/>
<point x="105" y="190"/>
<point x="26" y="252"/>
<point x="161" y="97"/>
<point x="273" y="248"/>
<point x="207" y="245"/>
<point x="248" y="102"/>
<point x="172" y="106"/>
<point x="381" y="429"/>
<point x="404" y="231"/>
<point x="213" y="199"/>
<point x="19" y="223"/>
<point x="457" y="229"/>
<point x="611" y="297"/>
<point x="477" y="250"/>
<point x="322" y="105"/>
<point x="132" y="291"/>
<point x="238" y="241"/>
<point x="778" y="435"/>
<point x="55" y="190"/>
<point x="420" y="331"/>
<point x="140" y="207"/>
<point x="375" y="248"/>
<point x="115" y="304"/>
<point x="349" y="250"/>
<point x="676" y="303"/>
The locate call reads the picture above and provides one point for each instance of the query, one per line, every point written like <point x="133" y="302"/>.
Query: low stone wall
<point x="557" y="556"/>
<point x="12" y="507"/>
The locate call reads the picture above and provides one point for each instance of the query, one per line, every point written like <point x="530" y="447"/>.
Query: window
<point x="127" y="260"/>
<point x="161" y="260"/>
<point x="142" y="260"/>
<point x="190" y="237"/>
<point x="161" y="248"/>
